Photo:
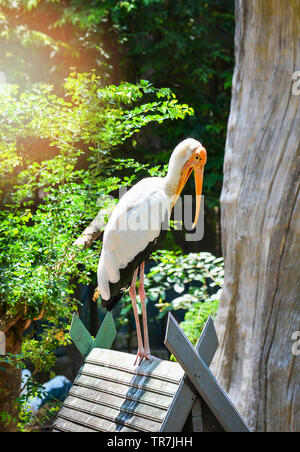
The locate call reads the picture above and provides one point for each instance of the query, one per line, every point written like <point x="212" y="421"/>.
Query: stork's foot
<point x="141" y="355"/>
<point x="148" y="356"/>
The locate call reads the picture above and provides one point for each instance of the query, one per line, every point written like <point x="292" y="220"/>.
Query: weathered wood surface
<point x="62" y="425"/>
<point x="113" y="401"/>
<point x="119" y="416"/>
<point x="111" y="394"/>
<point x="182" y="403"/>
<point x="164" y="370"/>
<point x="130" y="380"/>
<point x="186" y="395"/>
<point x="202" y="379"/>
<point x="76" y="417"/>
<point x="260" y="211"/>
<point x="196" y="416"/>
<point x="155" y="399"/>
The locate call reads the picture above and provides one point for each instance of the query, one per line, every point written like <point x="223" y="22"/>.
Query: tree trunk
<point x="260" y="220"/>
<point x="10" y="380"/>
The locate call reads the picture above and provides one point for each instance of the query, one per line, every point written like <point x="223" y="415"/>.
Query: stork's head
<point x="187" y="157"/>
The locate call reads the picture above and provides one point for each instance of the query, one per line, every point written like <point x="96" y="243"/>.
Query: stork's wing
<point x="136" y="221"/>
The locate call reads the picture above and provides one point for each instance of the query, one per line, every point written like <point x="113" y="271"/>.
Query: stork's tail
<point x="111" y="303"/>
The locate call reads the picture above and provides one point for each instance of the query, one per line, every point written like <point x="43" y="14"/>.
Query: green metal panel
<point x="80" y="336"/>
<point x="84" y="341"/>
<point x="107" y="333"/>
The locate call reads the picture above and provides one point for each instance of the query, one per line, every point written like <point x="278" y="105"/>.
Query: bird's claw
<point x="141" y="355"/>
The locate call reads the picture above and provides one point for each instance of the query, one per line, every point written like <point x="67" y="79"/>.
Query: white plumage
<point x="135" y="223"/>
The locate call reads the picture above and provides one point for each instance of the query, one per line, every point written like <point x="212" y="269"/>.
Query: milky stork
<point x="138" y="221"/>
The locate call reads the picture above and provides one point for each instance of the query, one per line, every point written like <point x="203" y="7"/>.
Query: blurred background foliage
<point x="185" y="45"/>
<point x="98" y="93"/>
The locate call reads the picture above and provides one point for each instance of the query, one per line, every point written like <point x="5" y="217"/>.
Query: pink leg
<point x="132" y="292"/>
<point x="142" y="294"/>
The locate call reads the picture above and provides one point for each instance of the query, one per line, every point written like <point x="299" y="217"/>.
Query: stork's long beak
<point x="196" y="163"/>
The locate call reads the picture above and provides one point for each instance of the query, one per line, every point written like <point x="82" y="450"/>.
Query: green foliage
<point x="56" y="161"/>
<point x="68" y="140"/>
<point x="185" y="46"/>
<point x="197" y="278"/>
<point x="30" y="422"/>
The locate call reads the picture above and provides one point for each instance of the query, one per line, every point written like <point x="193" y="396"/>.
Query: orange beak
<point x="195" y="163"/>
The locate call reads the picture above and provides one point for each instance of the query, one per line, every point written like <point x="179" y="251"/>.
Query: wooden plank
<point x="197" y="424"/>
<point x="179" y="408"/>
<point x="93" y="422"/>
<point x="80" y="336"/>
<point x="123" y="378"/>
<point x="164" y="370"/>
<point x="155" y="399"/>
<point x="208" y="342"/>
<point x="111" y="414"/>
<point x="119" y="403"/>
<point x="62" y="425"/>
<point x="203" y="380"/>
<point x="186" y="396"/>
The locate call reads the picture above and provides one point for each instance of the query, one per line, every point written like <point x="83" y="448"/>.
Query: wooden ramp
<point x="111" y="394"/>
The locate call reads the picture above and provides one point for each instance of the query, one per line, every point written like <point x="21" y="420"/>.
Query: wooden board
<point x="118" y="416"/>
<point x="164" y="370"/>
<point x="203" y="380"/>
<point x="119" y="403"/>
<point x="155" y="399"/>
<point x="129" y="379"/>
<point x="85" y="420"/>
<point x="111" y="394"/>
<point x="186" y="396"/>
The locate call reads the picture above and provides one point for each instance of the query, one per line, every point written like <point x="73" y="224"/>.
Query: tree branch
<point x="8" y="320"/>
<point x="94" y="230"/>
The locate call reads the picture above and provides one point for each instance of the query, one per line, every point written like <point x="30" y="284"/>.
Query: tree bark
<point x="10" y="379"/>
<point x="260" y="220"/>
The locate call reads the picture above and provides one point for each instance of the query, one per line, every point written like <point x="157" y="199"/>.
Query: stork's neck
<point x="172" y="178"/>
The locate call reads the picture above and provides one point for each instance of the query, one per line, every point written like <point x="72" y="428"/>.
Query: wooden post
<point x="186" y="396"/>
<point x="203" y="380"/>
